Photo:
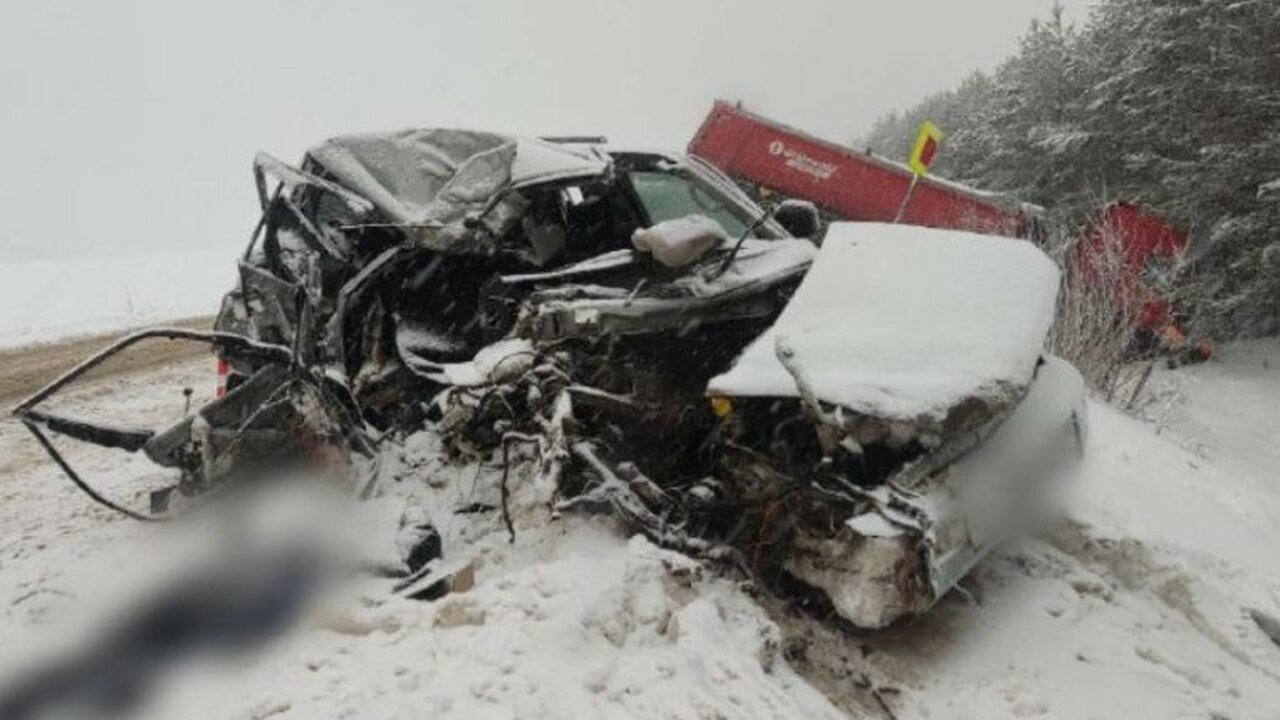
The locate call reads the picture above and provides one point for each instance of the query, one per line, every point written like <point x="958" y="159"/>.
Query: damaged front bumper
<point x="908" y="541"/>
<point x="281" y="410"/>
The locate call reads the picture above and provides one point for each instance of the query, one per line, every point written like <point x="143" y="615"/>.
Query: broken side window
<point x="598" y="218"/>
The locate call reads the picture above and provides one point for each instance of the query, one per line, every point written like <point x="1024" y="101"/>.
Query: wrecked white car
<point x="637" y="337"/>
<point x="906" y="379"/>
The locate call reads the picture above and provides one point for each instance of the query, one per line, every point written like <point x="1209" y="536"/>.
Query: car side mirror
<point x="798" y="217"/>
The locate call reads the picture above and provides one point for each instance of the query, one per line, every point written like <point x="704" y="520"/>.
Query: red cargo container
<point x="850" y="184"/>
<point x="1136" y="253"/>
<point x="1123" y="246"/>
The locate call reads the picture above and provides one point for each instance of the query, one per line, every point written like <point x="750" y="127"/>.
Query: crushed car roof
<point x="421" y="176"/>
<point x="904" y="323"/>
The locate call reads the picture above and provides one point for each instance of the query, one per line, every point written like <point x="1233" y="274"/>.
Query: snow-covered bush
<point x="1094" y="328"/>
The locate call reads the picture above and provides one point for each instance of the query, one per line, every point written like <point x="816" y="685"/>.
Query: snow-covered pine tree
<point x="1171" y="103"/>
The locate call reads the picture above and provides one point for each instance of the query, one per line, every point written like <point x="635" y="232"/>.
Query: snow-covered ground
<point x="44" y="300"/>
<point x="1135" y="605"/>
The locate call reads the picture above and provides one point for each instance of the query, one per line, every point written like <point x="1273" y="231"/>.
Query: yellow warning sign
<point x="925" y="149"/>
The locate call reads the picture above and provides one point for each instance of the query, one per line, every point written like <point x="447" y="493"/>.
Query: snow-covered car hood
<point x="904" y="323"/>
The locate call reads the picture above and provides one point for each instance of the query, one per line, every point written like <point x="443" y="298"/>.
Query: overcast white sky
<point x="130" y="125"/>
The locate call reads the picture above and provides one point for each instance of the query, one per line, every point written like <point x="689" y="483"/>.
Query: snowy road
<point x="24" y="370"/>
<point x="1134" y="606"/>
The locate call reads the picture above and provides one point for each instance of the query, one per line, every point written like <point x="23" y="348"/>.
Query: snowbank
<point x="1137" y="608"/>
<point x="576" y="623"/>
<point x="1137" y="605"/>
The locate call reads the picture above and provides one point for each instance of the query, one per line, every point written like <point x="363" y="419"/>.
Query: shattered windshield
<point x="667" y="196"/>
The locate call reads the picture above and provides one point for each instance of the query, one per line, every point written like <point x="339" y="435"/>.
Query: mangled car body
<point x="914" y="358"/>
<point x="868" y="418"/>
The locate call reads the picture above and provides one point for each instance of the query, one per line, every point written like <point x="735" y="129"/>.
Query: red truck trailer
<point x="847" y="183"/>
<point x="1136" y="254"/>
<point x="1123" y="247"/>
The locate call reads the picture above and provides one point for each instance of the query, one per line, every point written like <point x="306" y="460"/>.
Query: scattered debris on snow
<point x="1140" y="606"/>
